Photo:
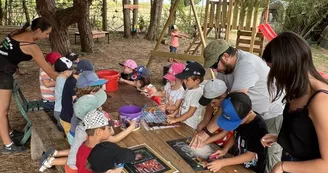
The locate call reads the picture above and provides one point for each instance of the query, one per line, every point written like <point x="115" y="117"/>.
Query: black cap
<point x="192" y="69"/>
<point x="84" y="65"/>
<point x="72" y="56"/>
<point x="106" y="155"/>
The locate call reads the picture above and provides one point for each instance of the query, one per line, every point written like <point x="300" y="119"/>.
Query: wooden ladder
<point x="196" y="43"/>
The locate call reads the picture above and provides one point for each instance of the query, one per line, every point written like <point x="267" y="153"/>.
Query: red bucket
<point x="112" y="77"/>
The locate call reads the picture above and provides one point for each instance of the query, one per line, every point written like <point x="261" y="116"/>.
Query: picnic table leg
<point x="97" y="40"/>
<point x="107" y="38"/>
<point x="75" y="39"/>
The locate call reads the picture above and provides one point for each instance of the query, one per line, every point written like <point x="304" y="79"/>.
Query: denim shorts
<point x="48" y="106"/>
<point x="173" y="49"/>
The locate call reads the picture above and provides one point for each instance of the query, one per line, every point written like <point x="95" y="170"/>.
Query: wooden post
<point x="202" y="38"/>
<point x="135" y="15"/>
<point x="229" y="20"/>
<point x="205" y="19"/>
<point x="266" y="13"/>
<point x="235" y="15"/>
<point x="163" y="30"/>
<point x="254" y="29"/>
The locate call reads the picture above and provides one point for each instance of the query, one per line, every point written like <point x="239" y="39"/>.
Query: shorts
<point x="222" y="142"/>
<point x="156" y="99"/>
<point x="6" y="81"/>
<point x="66" y="126"/>
<point x="69" y="170"/>
<point x="173" y="49"/>
<point x="48" y="106"/>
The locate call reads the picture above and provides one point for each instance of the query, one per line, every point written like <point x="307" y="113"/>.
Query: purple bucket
<point x="129" y="113"/>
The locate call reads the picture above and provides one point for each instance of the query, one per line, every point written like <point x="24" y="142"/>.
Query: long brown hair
<point x="38" y="23"/>
<point x="86" y="90"/>
<point x="291" y="64"/>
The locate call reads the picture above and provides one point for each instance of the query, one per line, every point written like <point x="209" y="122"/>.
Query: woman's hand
<point x="268" y="139"/>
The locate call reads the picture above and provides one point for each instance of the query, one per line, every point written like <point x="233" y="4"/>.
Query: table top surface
<point x="95" y="32"/>
<point x="156" y="139"/>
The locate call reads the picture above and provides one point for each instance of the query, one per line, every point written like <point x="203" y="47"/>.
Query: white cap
<point x="95" y="119"/>
<point x="212" y="89"/>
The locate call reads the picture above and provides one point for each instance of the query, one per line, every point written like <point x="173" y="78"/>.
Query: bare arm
<point x="121" y="135"/>
<point x="318" y="111"/>
<point x="159" y="93"/>
<point x="207" y="117"/>
<point x="188" y="114"/>
<point x="49" y="83"/>
<point x="37" y="55"/>
<point x="174" y="107"/>
<point x="216" y="137"/>
<point x="128" y="82"/>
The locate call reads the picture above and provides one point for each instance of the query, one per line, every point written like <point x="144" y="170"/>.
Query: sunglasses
<point x="215" y="65"/>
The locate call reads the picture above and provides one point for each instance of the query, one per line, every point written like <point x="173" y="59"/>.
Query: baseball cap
<point x="52" y="57"/>
<point x="141" y="71"/>
<point x="174" y="27"/>
<point x="235" y="107"/>
<point x="175" y="68"/>
<point x="213" y="50"/>
<point x="107" y="155"/>
<point x="192" y="69"/>
<point x="84" y="65"/>
<point x="129" y="63"/>
<point x="63" y="64"/>
<point x="89" y="78"/>
<point x="212" y="89"/>
<point x="89" y="102"/>
<point x="95" y="119"/>
<point x="72" y="56"/>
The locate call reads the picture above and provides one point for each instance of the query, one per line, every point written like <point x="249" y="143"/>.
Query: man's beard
<point x="228" y="68"/>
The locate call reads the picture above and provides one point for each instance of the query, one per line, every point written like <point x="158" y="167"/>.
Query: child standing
<point x="109" y="157"/>
<point x="47" y="85"/>
<point x="173" y="90"/>
<point x="215" y="91"/>
<point x="64" y="67"/>
<point x="175" y="35"/>
<point x="128" y="67"/>
<point x="190" y="111"/>
<point x="249" y="127"/>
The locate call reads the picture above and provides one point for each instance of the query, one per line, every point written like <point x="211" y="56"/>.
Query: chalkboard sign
<point x="150" y="162"/>
<point x="196" y="158"/>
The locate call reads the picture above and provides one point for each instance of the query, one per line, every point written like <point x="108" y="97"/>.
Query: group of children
<point x="76" y="98"/>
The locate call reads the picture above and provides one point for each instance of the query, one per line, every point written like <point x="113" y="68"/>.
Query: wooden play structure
<point x="221" y="16"/>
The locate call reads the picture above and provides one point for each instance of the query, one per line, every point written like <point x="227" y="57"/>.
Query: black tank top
<point x="297" y="135"/>
<point x="11" y="54"/>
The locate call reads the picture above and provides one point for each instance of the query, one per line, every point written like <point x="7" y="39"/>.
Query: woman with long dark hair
<point x="304" y="131"/>
<point x="17" y="47"/>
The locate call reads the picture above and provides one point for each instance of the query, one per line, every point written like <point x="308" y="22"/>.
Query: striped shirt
<point x="48" y="94"/>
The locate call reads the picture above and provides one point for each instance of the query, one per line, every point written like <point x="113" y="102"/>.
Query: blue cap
<point x="89" y="78"/>
<point x="229" y="119"/>
<point x="84" y="65"/>
<point x="141" y="71"/>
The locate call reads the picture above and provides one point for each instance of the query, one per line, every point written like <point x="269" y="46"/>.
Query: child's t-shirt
<point x="174" y="39"/>
<point x="248" y="138"/>
<point x="67" y="99"/>
<point x="172" y="96"/>
<point x="60" y="82"/>
<point x="81" y="158"/>
<point x="79" y="138"/>
<point x="47" y="93"/>
<point x="191" y="99"/>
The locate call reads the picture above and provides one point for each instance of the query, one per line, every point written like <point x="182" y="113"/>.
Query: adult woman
<point x="305" y="125"/>
<point x="16" y="47"/>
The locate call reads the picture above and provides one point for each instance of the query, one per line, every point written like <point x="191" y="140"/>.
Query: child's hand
<point x="268" y="139"/>
<point x="133" y="124"/>
<point x="215" y="165"/>
<point x="162" y="107"/>
<point x="172" y="120"/>
<point x="219" y="153"/>
<point x="171" y="115"/>
<point x="121" y="80"/>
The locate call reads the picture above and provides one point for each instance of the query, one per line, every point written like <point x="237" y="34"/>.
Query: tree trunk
<point x="5" y="13"/>
<point x="126" y="19"/>
<point x="10" y="11"/>
<point x="174" y="17"/>
<point x="135" y="15"/>
<point x="155" y="18"/>
<point x="25" y="9"/>
<point x="86" y="31"/>
<point x="104" y="15"/>
<point x="61" y="19"/>
<point x="1" y="12"/>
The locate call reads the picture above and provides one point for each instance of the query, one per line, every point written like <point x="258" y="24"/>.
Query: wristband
<point x="207" y="132"/>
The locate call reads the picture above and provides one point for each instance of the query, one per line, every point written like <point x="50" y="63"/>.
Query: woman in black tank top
<point x="17" y="47"/>
<point x="304" y="130"/>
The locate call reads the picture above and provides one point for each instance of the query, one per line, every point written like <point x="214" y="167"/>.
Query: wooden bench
<point x="25" y="107"/>
<point x="96" y="34"/>
<point x="244" y="39"/>
<point x="44" y="136"/>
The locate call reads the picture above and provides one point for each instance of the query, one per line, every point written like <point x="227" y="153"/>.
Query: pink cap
<point x="52" y="57"/>
<point x="175" y="69"/>
<point x="129" y="63"/>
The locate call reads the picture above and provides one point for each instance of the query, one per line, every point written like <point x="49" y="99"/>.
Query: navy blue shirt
<point x="67" y="100"/>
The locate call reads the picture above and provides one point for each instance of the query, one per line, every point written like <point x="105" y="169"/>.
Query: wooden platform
<point x="156" y="139"/>
<point x="95" y="34"/>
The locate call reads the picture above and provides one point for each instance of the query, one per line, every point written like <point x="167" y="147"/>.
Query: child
<point x="249" y="127"/>
<point x="215" y="91"/>
<point x="87" y="82"/>
<point x="190" y="111"/>
<point x="128" y="67"/>
<point x="69" y="94"/>
<point x="173" y="90"/>
<point x="81" y="107"/>
<point x="109" y="157"/>
<point x="47" y="85"/>
<point x="64" y="67"/>
<point x="73" y="57"/>
<point x="175" y="35"/>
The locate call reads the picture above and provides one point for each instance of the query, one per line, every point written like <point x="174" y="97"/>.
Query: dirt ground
<point x="105" y="56"/>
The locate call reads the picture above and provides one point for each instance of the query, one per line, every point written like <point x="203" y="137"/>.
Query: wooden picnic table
<point x="95" y="34"/>
<point x="156" y="139"/>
